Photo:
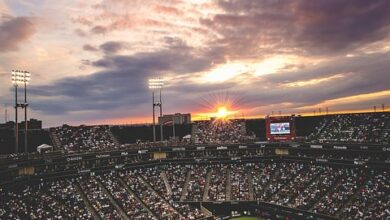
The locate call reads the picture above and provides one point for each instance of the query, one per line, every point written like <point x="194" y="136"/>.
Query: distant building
<point x="32" y="124"/>
<point x="178" y="118"/>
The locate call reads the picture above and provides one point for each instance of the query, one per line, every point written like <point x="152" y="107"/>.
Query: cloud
<point x="99" y="29"/>
<point x="122" y="83"/>
<point x="318" y="27"/>
<point x="88" y="47"/>
<point x="113" y="46"/>
<point x="300" y="48"/>
<point x="80" y="32"/>
<point x="337" y="24"/>
<point x="14" y="31"/>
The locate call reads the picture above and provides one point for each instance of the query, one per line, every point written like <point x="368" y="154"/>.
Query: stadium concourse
<point x="338" y="170"/>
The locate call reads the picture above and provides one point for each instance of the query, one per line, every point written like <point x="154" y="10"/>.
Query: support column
<point x="25" y="119"/>
<point x="16" y="121"/>
<point x="161" y="125"/>
<point x="154" y="119"/>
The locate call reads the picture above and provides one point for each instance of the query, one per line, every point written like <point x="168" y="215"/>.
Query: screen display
<point x="280" y="128"/>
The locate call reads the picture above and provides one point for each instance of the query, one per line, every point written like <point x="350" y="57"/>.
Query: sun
<point x="222" y="112"/>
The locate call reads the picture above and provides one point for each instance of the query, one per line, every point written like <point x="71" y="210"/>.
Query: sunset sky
<point x="90" y="60"/>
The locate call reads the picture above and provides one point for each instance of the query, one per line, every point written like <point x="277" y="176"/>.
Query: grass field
<point x="246" y="218"/>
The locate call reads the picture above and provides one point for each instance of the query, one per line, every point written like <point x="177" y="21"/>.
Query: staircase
<point x="163" y="176"/>
<point x="55" y="140"/>
<point x="193" y="132"/>
<point x="185" y="187"/>
<point x="228" y="186"/>
<point x="113" y="201"/>
<point x="161" y="198"/>
<point x="87" y="203"/>
<point x="207" y="186"/>
<point x="250" y="184"/>
<point x="114" y="139"/>
<point x="136" y="197"/>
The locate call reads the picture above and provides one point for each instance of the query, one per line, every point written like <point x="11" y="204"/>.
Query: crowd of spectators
<point x="218" y="183"/>
<point x="239" y="182"/>
<point x="220" y="132"/>
<point x="349" y="183"/>
<point x="372" y="200"/>
<point x="85" y="138"/>
<point x="293" y="188"/>
<point x="160" y="207"/>
<point x="307" y="197"/>
<point x="127" y="201"/>
<point x="196" y="184"/>
<point x="176" y="178"/>
<point x="155" y="176"/>
<point x="281" y="175"/>
<point x="147" y="193"/>
<point x="52" y="200"/>
<point x="99" y="200"/>
<point x="359" y="128"/>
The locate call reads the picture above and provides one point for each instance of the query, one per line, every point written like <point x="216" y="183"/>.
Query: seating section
<point x="294" y="187"/>
<point x="99" y="199"/>
<point x="129" y="203"/>
<point x="85" y="138"/>
<point x="176" y="176"/>
<point x="358" y="128"/>
<point x="197" y="183"/>
<point x="317" y="188"/>
<point x="218" y="183"/>
<point x="53" y="200"/>
<point x="144" y="193"/>
<point x="374" y="196"/>
<point x="349" y="182"/>
<point x="239" y="182"/>
<point x="161" y="208"/>
<point x="221" y="132"/>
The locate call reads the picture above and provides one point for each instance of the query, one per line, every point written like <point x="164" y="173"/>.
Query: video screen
<point x="280" y="128"/>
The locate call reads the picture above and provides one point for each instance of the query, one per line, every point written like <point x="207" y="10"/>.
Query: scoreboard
<point x="280" y="129"/>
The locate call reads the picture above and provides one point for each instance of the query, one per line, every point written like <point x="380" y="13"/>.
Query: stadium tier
<point x="339" y="170"/>
<point x="366" y="128"/>
<point x="345" y="192"/>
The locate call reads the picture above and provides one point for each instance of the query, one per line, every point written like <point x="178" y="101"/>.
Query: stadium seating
<point x="358" y="128"/>
<point x="221" y="132"/>
<point x="85" y="138"/>
<point x="144" y="193"/>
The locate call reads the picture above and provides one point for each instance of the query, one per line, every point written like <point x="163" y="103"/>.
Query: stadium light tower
<point x="20" y="78"/>
<point x="156" y="84"/>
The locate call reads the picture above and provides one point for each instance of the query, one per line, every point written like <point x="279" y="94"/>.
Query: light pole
<point x="156" y="83"/>
<point x="20" y="77"/>
<point x="173" y="127"/>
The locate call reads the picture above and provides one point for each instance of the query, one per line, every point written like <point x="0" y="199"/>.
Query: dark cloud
<point x="88" y="47"/>
<point x="98" y="29"/>
<point x="123" y="83"/>
<point x="110" y="47"/>
<point x="14" y="31"/>
<point x="315" y="27"/>
<point x="341" y="24"/>
<point x="113" y="46"/>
